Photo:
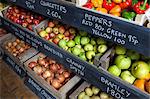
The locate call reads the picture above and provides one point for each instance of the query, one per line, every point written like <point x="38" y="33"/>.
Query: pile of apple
<point x="55" y="74"/>
<point x="131" y="67"/>
<point x="93" y="93"/>
<point x="76" y="42"/>
<point x="23" y="17"/>
<point x="16" y="47"/>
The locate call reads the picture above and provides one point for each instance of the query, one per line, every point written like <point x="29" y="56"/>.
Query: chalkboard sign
<point x="18" y="69"/>
<point x="37" y="89"/>
<point x="110" y="28"/>
<point x="90" y="73"/>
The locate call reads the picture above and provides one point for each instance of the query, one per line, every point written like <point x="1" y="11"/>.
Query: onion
<point x="52" y="61"/>
<point x="47" y="74"/>
<point x="41" y="61"/>
<point x="46" y="64"/>
<point x="56" y="84"/>
<point x="53" y="67"/>
<point x="21" y="50"/>
<point x="17" y="40"/>
<point x="61" y="78"/>
<point x="43" y="69"/>
<point x="18" y="47"/>
<point x="14" y="54"/>
<point x="32" y="64"/>
<point x="6" y="47"/>
<point x="14" y="43"/>
<point x="9" y="44"/>
<point x="49" y="80"/>
<point x="66" y="74"/>
<point x="38" y="70"/>
<point x="14" y="50"/>
<point x="60" y="71"/>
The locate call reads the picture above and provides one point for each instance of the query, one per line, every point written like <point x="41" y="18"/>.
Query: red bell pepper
<point x="108" y="4"/>
<point x="141" y="7"/>
<point x="125" y="4"/>
<point x="88" y="5"/>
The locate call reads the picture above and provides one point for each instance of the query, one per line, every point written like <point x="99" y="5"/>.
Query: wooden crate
<point x="58" y="94"/>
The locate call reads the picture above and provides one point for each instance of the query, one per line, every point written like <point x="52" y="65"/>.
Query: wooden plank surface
<point x="11" y="86"/>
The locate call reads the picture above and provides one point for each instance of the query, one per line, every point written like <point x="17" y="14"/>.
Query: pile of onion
<point x="16" y="47"/>
<point x="51" y="71"/>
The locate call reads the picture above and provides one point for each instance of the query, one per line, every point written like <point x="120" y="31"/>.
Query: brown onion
<point x="56" y="84"/>
<point x="52" y="61"/>
<point x="61" y="78"/>
<point x="21" y="50"/>
<point x="18" y="47"/>
<point x="32" y="64"/>
<point x="9" y="44"/>
<point x="41" y="61"/>
<point x="60" y="71"/>
<point x="66" y="74"/>
<point x="53" y="67"/>
<point x="38" y="70"/>
<point x="49" y="80"/>
<point x="47" y="74"/>
<point x="14" y="43"/>
<point x="17" y="40"/>
<point x="43" y="69"/>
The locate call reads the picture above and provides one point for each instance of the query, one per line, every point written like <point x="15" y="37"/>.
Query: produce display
<point x="55" y="74"/>
<point x="79" y="43"/>
<point x="2" y="32"/>
<point x="26" y="19"/>
<point x="127" y="9"/>
<point x="131" y="67"/>
<point x="93" y="93"/>
<point x="16" y="47"/>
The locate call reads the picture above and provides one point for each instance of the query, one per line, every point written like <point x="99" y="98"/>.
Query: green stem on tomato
<point x="144" y="5"/>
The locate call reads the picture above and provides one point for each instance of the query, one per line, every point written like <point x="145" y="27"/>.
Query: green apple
<point x="93" y="42"/>
<point x="69" y="50"/>
<point x="85" y="40"/>
<point x="62" y="43"/>
<point x="95" y="97"/>
<point x="100" y="41"/>
<point x="140" y="69"/>
<point x="48" y="29"/>
<point x="60" y="36"/>
<point x="82" y="50"/>
<point x="86" y="97"/>
<point x="77" y="39"/>
<point x="82" y="56"/>
<point x="127" y="76"/>
<point x="123" y="62"/>
<point x="102" y="48"/>
<point x="89" y="91"/>
<point x="81" y="95"/>
<point x="95" y="48"/>
<point x="83" y="33"/>
<point x="148" y="65"/>
<point x="76" y="51"/>
<point x="88" y="47"/>
<point x="71" y="43"/>
<point x="78" y="46"/>
<point x="114" y="70"/>
<point x="90" y="54"/>
<point x="65" y="47"/>
<point x="91" y="62"/>
<point x="133" y="55"/>
<point x="95" y="90"/>
<point x="120" y="50"/>
<point x="43" y="33"/>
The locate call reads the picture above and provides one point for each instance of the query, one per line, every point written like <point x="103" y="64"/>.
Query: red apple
<point x="61" y="29"/>
<point x="52" y="35"/>
<point x="67" y="34"/>
<point x="56" y="40"/>
<point x="25" y="24"/>
<point x="36" y="22"/>
<point x="51" y="24"/>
